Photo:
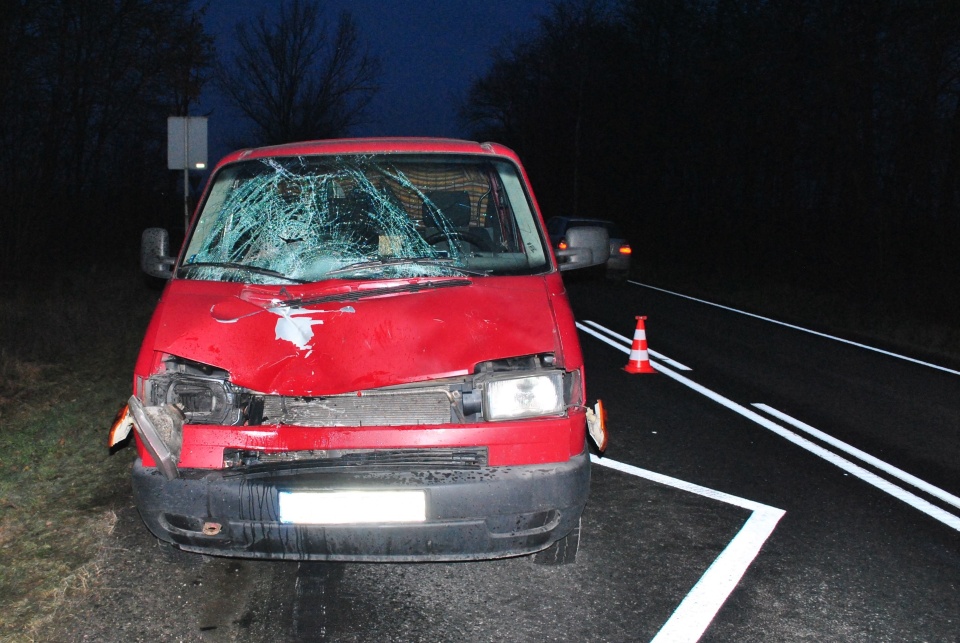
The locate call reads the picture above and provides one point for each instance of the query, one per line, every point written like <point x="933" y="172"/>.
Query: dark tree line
<point x="85" y="91"/>
<point x="810" y="143"/>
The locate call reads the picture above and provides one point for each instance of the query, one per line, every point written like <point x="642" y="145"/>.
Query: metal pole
<point x="186" y="175"/>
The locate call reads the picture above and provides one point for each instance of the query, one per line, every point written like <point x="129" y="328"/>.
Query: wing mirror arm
<point x="573" y="258"/>
<point x="586" y="246"/>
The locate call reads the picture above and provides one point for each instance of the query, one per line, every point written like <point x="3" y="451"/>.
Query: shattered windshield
<point x="308" y="218"/>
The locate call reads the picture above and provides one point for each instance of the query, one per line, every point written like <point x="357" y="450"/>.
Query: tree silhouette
<point x="85" y="92"/>
<point x="813" y="145"/>
<point x="299" y="77"/>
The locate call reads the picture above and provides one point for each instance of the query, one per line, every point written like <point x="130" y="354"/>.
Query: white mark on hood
<point x="228" y="320"/>
<point x="296" y="326"/>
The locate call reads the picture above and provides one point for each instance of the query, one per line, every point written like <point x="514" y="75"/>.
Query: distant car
<point x="618" y="264"/>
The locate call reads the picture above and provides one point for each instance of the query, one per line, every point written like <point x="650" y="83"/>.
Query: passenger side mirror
<point x="155" y="259"/>
<point x="586" y="246"/>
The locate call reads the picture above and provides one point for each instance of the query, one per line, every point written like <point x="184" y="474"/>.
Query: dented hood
<point x="291" y="342"/>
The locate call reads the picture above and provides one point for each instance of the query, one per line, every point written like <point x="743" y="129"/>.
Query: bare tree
<point x="299" y="77"/>
<point x="548" y="95"/>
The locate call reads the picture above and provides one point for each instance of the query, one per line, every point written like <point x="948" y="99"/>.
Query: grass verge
<point x="67" y="347"/>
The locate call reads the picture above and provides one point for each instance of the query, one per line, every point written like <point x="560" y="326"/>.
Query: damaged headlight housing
<point x="203" y="398"/>
<point x="509" y="398"/>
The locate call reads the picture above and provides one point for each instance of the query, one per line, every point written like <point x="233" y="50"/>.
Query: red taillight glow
<point x="625" y="249"/>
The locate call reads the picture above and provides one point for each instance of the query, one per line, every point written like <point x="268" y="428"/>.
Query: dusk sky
<point x="430" y="52"/>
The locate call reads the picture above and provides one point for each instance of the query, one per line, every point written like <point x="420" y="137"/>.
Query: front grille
<point x="368" y="408"/>
<point x="367" y="459"/>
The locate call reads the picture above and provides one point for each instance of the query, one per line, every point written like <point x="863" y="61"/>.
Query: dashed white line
<point x="701" y="604"/>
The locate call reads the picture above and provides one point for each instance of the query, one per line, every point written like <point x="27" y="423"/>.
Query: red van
<point x="364" y="352"/>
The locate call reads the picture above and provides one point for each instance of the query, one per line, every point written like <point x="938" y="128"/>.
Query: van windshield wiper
<point x="442" y="262"/>
<point x="233" y="265"/>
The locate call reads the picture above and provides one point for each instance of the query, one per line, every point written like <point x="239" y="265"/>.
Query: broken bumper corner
<point x="160" y="429"/>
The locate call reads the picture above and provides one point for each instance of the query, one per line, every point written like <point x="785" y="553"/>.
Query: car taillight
<point x="562" y="245"/>
<point x="625" y="249"/>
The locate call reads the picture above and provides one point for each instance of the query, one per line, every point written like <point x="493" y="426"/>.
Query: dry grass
<point x="67" y="347"/>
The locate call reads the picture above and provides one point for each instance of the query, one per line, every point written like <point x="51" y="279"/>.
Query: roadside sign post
<point x="186" y="150"/>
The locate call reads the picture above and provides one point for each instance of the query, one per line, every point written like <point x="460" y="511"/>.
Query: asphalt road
<point x="848" y="560"/>
<point x="829" y="513"/>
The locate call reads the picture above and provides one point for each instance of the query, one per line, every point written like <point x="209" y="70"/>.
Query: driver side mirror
<point x="155" y="259"/>
<point x="586" y="246"/>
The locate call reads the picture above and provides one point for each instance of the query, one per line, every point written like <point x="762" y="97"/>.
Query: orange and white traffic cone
<point x="639" y="359"/>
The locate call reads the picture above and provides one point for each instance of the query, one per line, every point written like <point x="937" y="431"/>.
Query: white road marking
<point x="701" y="604"/>
<point x="629" y="342"/>
<point x="698" y="609"/>
<point x="913" y="500"/>
<point x="625" y="349"/>
<point x="865" y="457"/>
<point x="801" y="328"/>
<point x="606" y="340"/>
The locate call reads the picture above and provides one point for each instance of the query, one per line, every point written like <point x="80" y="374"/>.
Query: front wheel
<point x="562" y="552"/>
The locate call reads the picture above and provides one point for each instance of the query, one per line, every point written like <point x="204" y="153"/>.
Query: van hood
<point x="277" y="341"/>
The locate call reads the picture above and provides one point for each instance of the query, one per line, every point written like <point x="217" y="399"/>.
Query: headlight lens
<point x="521" y="397"/>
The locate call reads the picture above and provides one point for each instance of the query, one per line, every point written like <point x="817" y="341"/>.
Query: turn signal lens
<point x="625" y="249"/>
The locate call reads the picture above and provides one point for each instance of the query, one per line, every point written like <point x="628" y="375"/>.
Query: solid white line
<point x="682" y="485"/>
<point x="865" y="457"/>
<point x="701" y="604"/>
<point x="629" y="342"/>
<point x="913" y="500"/>
<point x="698" y="609"/>
<point x="870" y="478"/>
<point x="800" y="328"/>
<point x="605" y="340"/>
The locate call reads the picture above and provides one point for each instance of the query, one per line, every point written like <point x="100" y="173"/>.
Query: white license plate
<point x="351" y="507"/>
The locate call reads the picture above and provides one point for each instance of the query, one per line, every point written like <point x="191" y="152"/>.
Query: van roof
<point x="399" y="145"/>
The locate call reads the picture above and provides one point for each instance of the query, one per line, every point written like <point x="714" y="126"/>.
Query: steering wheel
<point x="472" y="238"/>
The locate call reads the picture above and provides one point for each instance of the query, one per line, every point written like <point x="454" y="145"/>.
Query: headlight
<point x="522" y="397"/>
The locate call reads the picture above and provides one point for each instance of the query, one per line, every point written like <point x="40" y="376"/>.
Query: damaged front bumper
<point x="160" y="429"/>
<point x="473" y="513"/>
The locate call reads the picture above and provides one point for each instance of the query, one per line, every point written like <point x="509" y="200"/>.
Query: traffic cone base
<point x="639" y="361"/>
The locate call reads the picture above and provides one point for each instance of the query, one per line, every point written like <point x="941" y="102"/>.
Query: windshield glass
<point x="308" y="218"/>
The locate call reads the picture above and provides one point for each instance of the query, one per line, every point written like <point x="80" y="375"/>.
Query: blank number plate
<point x="351" y="507"/>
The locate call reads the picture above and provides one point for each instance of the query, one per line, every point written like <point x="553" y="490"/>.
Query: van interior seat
<point x="452" y="206"/>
